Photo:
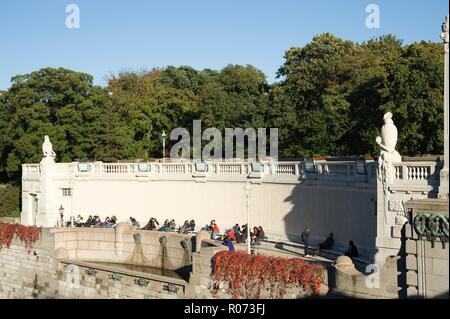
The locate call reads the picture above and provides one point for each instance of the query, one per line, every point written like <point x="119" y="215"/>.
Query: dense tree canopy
<point x="329" y="100"/>
<point x="78" y="116"/>
<point x="333" y="94"/>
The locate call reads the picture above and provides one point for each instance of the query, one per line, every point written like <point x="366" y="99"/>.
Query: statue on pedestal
<point x="47" y="148"/>
<point x="388" y="155"/>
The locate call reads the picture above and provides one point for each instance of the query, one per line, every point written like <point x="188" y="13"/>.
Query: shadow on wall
<point x="401" y="266"/>
<point x="347" y="211"/>
<point x="433" y="180"/>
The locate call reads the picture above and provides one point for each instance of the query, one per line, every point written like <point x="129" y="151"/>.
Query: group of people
<point x="351" y="252"/>
<point x="167" y="226"/>
<point x="92" y="221"/>
<point x="212" y="228"/>
<point x="235" y="234"/>
<point x="239" y="235"/>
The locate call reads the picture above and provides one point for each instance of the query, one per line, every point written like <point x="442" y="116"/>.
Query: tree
<point x="315" y="84"/>
<point x="64" y="105"/>
<point x="333" y="94"/>
<point x="413" y="91"/>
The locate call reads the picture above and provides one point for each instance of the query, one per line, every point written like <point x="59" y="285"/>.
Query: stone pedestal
<point x="48" y="214"/>
<point x="426" y="249"/>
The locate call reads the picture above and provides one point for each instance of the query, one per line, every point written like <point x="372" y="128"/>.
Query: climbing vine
<point x="256" y="276"/>
<point x="27" y="234"/>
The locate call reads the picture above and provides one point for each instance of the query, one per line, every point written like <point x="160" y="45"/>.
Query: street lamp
<point x="163" y="138"/>
<point x="247" y="197"/>
<point x="61" y="214"/>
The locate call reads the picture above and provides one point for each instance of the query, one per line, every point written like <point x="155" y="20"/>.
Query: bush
<point x="9" y="201"/>
<point x="249" y="276"/>
<point x="27" y="235"/>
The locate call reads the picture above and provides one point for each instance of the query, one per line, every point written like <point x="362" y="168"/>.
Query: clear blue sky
<point x="117" y="35"/>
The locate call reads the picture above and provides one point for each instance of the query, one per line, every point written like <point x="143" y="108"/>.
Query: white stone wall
<point x="282" y="204"/>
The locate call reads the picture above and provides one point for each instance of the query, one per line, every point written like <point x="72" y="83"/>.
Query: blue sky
<point x="118" y="35"/>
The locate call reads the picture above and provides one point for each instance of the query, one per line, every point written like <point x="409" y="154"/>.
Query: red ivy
<point x="27" y="234"/>
<point x="248" y="276"/>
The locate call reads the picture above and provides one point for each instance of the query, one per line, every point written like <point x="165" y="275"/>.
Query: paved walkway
<point x="283" y="250"/>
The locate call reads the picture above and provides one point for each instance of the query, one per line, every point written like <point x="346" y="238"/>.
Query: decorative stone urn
<point x="345" y="264"/>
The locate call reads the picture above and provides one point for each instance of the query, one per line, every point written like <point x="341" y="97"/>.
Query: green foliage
<point x="334" y="94"/>
<point x="9" y="200"/>
<point x="78" y="117"/>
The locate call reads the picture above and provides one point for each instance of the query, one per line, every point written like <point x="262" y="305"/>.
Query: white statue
<point x="47" y="148"/>
<point x="388" y="154"/>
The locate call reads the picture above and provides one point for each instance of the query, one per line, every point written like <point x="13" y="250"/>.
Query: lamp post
<point x="247" y="197"/>
<point x="61" y="214"/>
<point x="443" y="187"/>
<point x="163" y="138"/>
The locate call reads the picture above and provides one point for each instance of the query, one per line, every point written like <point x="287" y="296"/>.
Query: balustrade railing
<point x="115" y="168"/>
<point x="415" y="172"/>
<point x="286" y="169"/>
<point x="32" y="168"/>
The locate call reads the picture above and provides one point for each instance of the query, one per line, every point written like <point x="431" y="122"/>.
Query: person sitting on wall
<point x="112" y="221"/>
<point x="237" y="233"/>
<point x="165" y="227"/>
<point x="253" y="235"/>
<point x="149" y="225"/>
<point x="97" y="221"/>
<point x="79" y="221"/>
<point x="133" y="223"/>
<point x="211" y="224"/>
<point x="259" y="236"/>
<point x="328" y="243"/>
<point x="214" y="230"/>
<point x="88" y="222"/>
<point x="130" y="222"/>
<point x="244" y="233"/>
<point x="352" y="251"/>
<point x="136" y="224"/>
<point x="172" y="225"/>
<point x="227" y="242"/>
<point x="230" y="234"/>
<point x="185" y="228"/>
<point x="155" y="224"/>
<point x="192" y="225"/>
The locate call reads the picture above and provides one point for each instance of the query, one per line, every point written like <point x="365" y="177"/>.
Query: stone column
<point x="443" y="188"/>
<point x="48" y="214"/>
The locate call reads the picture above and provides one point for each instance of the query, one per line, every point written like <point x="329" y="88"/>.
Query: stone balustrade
<point x="329" y="170"/>
<point x="415" y="171"/>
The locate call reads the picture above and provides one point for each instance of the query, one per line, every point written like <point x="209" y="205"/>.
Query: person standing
<point x="228" y="242"/>
<point x="305" y="239"/>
